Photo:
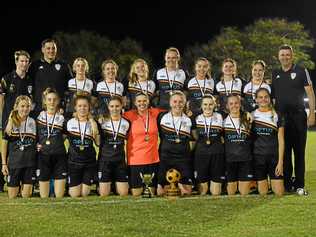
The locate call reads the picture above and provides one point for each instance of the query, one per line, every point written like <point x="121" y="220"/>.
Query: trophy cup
<point x="173" y="176"/>
<point x="147" y="180"/>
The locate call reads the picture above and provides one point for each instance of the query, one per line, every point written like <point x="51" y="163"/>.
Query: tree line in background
<point x="259" y="40"/>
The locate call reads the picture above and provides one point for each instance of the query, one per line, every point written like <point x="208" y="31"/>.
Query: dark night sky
<point x="157" y="25"/>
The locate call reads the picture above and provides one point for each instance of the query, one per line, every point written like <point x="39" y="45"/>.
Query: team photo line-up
<point x="224" y="133"/>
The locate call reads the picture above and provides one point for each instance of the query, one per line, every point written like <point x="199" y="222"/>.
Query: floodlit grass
<point x="251" y="216"/>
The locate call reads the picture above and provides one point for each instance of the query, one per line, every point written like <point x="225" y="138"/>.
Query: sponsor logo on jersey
<point x="293" y="75"/>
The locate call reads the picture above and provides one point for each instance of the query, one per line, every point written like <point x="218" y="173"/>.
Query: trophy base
<point x="147" y="194"/>
<point x="173" y="193"/>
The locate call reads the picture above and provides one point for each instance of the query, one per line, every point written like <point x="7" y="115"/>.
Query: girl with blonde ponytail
<point x="18" y="149"/>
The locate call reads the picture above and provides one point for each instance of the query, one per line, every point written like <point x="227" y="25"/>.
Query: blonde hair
<point x="173" y="49"/>
<point x="19" y="53"/>
<point x="232" y="61"/>
<point x="45" y="93"/>
<point x="209" y="96"/>
<point x="14" y="115"/>
<point x="208" y="73"/>
<point x="180" y="93"/>
<point x="260" y="62"/>
<point x="132" y="76"/>
<point x="79" y="59"/>
<point x="109" y="61"/>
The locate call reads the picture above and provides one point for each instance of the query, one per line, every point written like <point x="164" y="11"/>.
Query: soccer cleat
<point x="301" y="192"/>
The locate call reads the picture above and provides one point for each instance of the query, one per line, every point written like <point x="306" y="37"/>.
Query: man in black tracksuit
<point x="289" y="85"/>
<point x="49" y="72"/>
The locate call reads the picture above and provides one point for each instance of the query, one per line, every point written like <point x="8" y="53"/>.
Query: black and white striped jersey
<point x="249" y="92"/>
<point x="22" y="145"/>
<point x="210" y="133"/>
<point x="224" y="89"/>
<point x="265" y="131"/>
<point x="106" y="90"/>
<point x="81" y="149"/>
<point x="196" y="90"/>
<point x="175" y="135"/>
<point x="167" y="82"/>
<point x="237" y="140"/>
<point x="113" y="136"/>
<point x="50" y="130"/>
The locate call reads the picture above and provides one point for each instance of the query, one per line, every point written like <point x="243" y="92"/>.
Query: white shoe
<point x="301" y="192"/>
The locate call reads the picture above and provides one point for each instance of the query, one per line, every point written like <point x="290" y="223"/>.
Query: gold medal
<point x="81" y="147"/>
<point x="146" y="138"/>
<point x="208" y="141"/>
<point x="178" y="140"/>
<point x="47" y="142"/>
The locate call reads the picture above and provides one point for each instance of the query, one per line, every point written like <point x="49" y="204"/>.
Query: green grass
<point x="251" y="216"/>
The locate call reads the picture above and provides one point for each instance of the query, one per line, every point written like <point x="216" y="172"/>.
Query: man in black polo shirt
<point x="49" y="72"/>
<point x="289" y="85"/>
<point x="12" y="85"/>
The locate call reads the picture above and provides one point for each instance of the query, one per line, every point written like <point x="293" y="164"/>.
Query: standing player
<point x="109" y="86"/>
<point x="169" y="78"/>
<point x="228" y="85"/>
<point x="289" y="84"/>
<point x="52" y="159"/>
<point x="174" y="151"/>
<point x="82" y="133"/>
<point x="18" y="150"/>
<point x="237" y="148"/>
<point x="112" y="163"/>
<point x="256" y="82"/>
<point x="138" y="82"/>
<point x="12" y="85"/>
<point x="268" y="145"/>
<point x="199" y="85"/>
<point x="209" y="159"/>
<point x="79" y="84"/>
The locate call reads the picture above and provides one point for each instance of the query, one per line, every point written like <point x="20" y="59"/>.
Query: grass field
<point x="251" y="216"/>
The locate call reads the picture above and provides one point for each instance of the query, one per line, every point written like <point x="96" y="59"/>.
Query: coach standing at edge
<point x="289" y="84"/>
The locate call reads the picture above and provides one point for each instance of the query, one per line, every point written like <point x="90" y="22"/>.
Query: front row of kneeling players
<point x="237" y="149"/>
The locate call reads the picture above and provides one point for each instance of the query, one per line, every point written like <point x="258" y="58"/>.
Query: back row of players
<point x="175" y="129"/>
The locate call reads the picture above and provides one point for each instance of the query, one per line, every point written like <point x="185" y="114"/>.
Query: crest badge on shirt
<point x="293" y="75"/>
<point x="57" y="66"/>
<point x="12" y="88"/>
<point x="29" y="89"/>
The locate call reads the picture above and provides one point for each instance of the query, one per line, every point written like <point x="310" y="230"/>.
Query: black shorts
<point x="81" y="174"/>
<point x="51" y="167"/>
<point x="264" y="166"/>
<point x="115" y="171"/>
<point x="183" y="166"/>
<point x="135" y="181"/>
<point x="239" y="171"/>
<point x="209" y="167"/>
<point x="21" y="175"/>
